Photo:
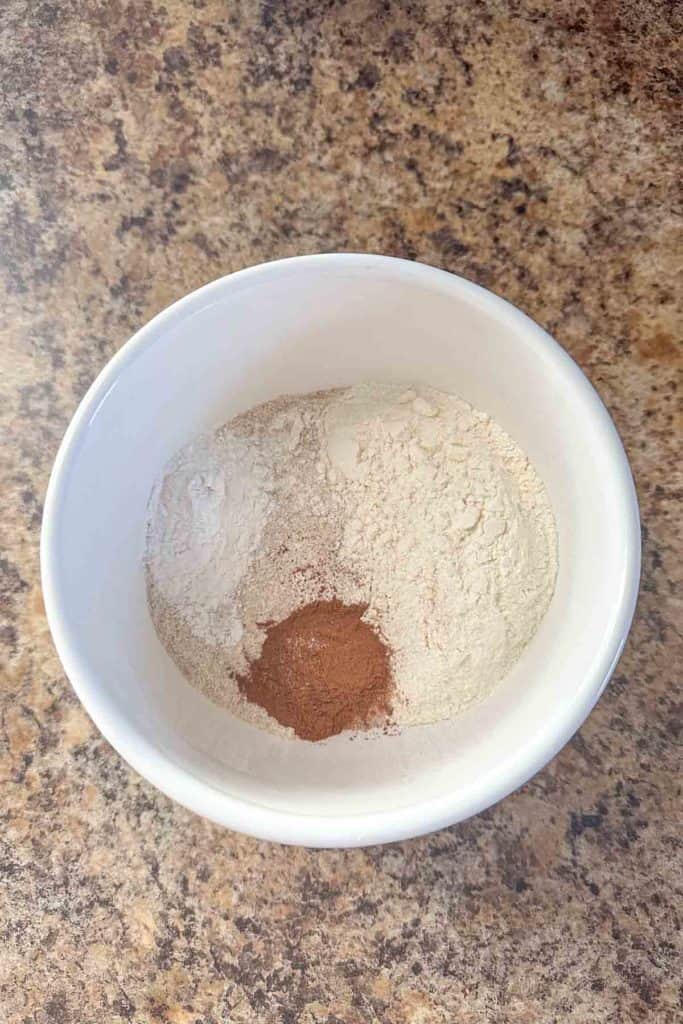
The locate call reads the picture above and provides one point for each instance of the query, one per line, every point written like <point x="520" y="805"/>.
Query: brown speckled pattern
<point x="148" y="147"/>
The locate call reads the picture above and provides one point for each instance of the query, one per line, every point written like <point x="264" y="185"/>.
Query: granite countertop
<point x="149" y="147"/>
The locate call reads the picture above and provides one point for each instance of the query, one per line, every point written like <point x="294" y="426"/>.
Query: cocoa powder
<point x="322" y="670"/>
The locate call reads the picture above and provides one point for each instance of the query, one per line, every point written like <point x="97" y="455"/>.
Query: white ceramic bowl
<point x="293" y="326"/>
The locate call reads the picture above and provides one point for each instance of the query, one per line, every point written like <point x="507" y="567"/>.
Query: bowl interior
<point x="293" y="327"/>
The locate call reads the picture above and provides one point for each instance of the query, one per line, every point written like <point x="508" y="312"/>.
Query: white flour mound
<point x="450" y="528"/>
<point x="207" y="516"/>
<point x="405" y="499"/>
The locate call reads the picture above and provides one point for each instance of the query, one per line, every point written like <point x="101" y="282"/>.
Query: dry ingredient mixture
<point x="333" y="560"/>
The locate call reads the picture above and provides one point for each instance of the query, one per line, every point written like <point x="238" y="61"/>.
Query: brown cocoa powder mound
<point x="322" y="670"/>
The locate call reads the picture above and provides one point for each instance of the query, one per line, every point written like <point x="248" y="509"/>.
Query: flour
<point x="406" y="500"/>
<point x="207" y="516"/>
<point x="451" y="530"/>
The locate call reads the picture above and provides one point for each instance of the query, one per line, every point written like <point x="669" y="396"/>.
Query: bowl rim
<point x="345" y="830"/>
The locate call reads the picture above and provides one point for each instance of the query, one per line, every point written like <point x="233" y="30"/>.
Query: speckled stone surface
<point x="149" y="147"/>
